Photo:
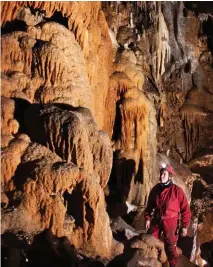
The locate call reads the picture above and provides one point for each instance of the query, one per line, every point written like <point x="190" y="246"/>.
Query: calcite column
<point x="134" y="165"/>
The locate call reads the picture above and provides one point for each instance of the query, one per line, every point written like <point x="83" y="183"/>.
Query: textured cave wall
<point x="90" y="31"/>
<point x="162" y="51"/>
<point x="130" y="113"/>
<point x="139" y="71"/>
<point x="172" y="46"/>
<point x="188" y="104"/>
<point x="64" y="194"/>
<point x="56" y="156"/>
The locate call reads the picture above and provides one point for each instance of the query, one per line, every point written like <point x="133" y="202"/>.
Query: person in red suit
<point x="167" y="204"/>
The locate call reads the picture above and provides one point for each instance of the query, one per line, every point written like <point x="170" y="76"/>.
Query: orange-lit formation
<point x="95" y="96"/>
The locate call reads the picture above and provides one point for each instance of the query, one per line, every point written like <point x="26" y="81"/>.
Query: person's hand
<point x="147" y="225"/>
<point x="184" y="232"/>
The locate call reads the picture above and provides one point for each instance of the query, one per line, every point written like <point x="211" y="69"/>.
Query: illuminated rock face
<point x="77" y="74"/>
<point x="59" y="181"/>
<point x="64" y="194"/>
<point x="47" y="66"/>
<point x="88" y="47"/>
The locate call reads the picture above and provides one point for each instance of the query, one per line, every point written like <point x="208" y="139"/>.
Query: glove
<point x="184" y="232"/>
<point x="147" y="225"/>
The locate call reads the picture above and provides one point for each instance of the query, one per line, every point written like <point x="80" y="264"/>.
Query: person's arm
<point x="184" y="209"/>
<point x="151" y="204"/>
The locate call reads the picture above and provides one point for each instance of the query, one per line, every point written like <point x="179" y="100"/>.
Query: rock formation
<point x="91" y="33"/>
<point x="48" y="185"/>
<point x="95" y="95"/>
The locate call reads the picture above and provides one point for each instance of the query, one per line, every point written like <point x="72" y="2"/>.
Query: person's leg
<point x="154" y="229"/>
<point x="170" y="239"/>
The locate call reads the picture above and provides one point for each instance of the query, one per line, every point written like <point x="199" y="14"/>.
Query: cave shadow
<point x="68" y="107"/>
<point x="205" y="172"/>
<point x="46" y="249"/>
<point x="49" y="250"/>
<point x="34" y="123"/>
<point x="119" y="185"/>
<point x="199" y="7"/>
<point x="186" y="245"/>
<point x="128" y="258"/>
<point x="139" y="175"/>
<point x="130" y="217"/>
<point x="207" y="252"/>
<point x="198" y="190"/>
<point x="208" y="31"/>
<point x="23" y="172"/>
<point x="59" y="18"/>
<point x="10" y="239"/>
<point x="13" y="250"/>
<point x="21" y="105"/>
<point x="76" y="211"/>
<point x="117" y="124"/>
<point x="35" y="111"/>
<point x="14" y="25"/>
<point x="124" y="172"/>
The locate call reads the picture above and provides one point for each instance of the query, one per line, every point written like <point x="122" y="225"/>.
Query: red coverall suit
<point x="167" y="202"/>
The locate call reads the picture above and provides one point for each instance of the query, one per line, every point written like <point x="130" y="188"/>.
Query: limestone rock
<point x="11" y="158"/>
<point x="141" y="252"/>
<point x="48" y="188"/>
<point x="205" y="234"/>
<point x="91" y="34"/>
<point x="55" y="57"/>
<point x="150" y="241"/>
<point x="131" y="147"/>
<point x="73" y="135"/>
<point x="143" y="72"/>
<point x="9" y="125"/>
<point x="203" y="165"/>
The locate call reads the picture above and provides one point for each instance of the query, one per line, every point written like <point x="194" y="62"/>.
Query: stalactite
<point x="48" y="59"/>
<point x="192" y="117"/>
<point x="134" y="118"/>
<point x="16" y="53"/>
<point x="161" y="49"/>
<point x="96" y="47"/>
<point x="134" y="130"/>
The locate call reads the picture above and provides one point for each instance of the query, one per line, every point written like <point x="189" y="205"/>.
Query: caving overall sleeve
<point x="184" y="209"/>
<point x="151" y="205"/>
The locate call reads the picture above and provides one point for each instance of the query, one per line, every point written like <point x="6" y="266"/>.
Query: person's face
<point x="164" y="176"/>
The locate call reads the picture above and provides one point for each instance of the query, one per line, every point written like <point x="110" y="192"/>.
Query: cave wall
<point x="104" y="86"/>
<point x="90" y="30"/>
<point x="172" y="46"/>
<point x="54" y="55"/>
<point x="163" y="51"/>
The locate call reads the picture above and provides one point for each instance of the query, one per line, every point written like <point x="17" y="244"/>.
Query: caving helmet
<point x="167" y="168"/>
